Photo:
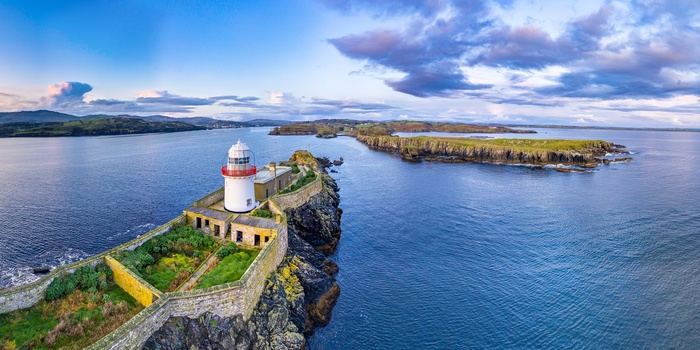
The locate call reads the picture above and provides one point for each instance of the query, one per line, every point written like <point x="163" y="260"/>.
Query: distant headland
<point x="43" y="123"/>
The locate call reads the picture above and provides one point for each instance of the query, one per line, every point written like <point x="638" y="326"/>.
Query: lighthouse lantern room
<point x="239" y="174"/>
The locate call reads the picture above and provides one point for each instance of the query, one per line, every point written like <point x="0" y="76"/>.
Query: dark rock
<point x="41" y="270"/>
<point x="297" y="298"/>
<point x="318" y="220"/>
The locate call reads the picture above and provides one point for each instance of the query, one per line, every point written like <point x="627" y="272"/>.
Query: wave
<point x="17" y="275"/>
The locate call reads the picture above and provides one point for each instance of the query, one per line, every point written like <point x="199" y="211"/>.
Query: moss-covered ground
<point x="72" y="322"/>
<point x="229" y="269"/>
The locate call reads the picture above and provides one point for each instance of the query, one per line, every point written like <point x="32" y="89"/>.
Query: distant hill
<point x="40" y="116"/>
<point x="94" y="127"/>
<point x="44" y="116"/>
<point x="267" y="122"/>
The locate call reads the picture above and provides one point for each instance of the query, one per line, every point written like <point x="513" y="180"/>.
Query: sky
<point x="632" y="63"/>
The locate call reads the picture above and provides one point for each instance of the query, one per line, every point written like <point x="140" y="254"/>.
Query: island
<point x="562" y="155"/>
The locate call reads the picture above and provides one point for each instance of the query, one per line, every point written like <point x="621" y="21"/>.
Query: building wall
<point x="283" y="181"/>
<point x="192" y="221"/>
<point x="249" y="233"/>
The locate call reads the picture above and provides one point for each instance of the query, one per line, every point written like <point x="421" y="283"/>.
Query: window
<point x="206" y="222"/>
<point x="249" y="202"/>
<point x="217" y="232"/>
<point x="239" y="236"/>
<point x="257" y="240"/>
<point x="267" y="239"/>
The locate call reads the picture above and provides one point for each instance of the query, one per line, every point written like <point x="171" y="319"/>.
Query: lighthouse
<point x="239" y="174"/>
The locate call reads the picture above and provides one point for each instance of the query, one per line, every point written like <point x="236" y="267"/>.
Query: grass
<point x="170" y="272"/>
<point x="230" y="269"/>
<point x="520" y="144"/>
<point x="73" y="322"/>
<point x="303" y="181"/>
<point x="168" y="260"/>
<point x="262" y="213"/>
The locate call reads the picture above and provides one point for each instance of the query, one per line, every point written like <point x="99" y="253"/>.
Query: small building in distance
<point x="271" y="179"/>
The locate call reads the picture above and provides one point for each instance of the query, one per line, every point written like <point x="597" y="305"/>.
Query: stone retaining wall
<point x="132" y="284"/>
<point x="210" y="199"/>
<point x="226" y="300"/>
<point x="27" y="295"/>
<point x="299" y="197"/>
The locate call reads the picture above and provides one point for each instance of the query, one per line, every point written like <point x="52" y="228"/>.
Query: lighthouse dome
<point x="240" y="149"/>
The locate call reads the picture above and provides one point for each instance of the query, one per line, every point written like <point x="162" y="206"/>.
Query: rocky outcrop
<point x="298" y="297"/>
<point x="416" y="149"/>
<point x="318" y="221"/>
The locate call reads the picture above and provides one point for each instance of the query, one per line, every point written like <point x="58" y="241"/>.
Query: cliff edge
<point x="297" y="298"/>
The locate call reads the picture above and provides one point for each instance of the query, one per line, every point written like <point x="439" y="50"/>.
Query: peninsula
<point x="238" y="269"/>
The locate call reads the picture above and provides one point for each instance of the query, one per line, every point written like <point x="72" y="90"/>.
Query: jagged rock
<point x="297" y="298"/>
<point x="318" y="220"/>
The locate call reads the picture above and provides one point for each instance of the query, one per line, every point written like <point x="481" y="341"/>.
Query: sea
<point x="432" y="255"/>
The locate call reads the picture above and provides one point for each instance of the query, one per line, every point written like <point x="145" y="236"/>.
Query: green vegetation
<point x="262" y="213"/>
<point x="168" y="260"/>
<point x="227" y="250"/>
<point x="74" y="320"/>
<point x="331" y="127"/>
<point x="86" y="278"/>
<point x="96" y="126"/>
<point x="303" y="181"/>
<point x="521" y="144"/>
<point x="229" y="269"/>
<point x="295" y="169"/>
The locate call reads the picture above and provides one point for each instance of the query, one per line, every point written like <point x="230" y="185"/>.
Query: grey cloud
<point x="654" y="61"/>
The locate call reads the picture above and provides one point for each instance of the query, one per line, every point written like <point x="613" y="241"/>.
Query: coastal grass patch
<point x="73" y="321"/>
<point x="303" y="181"/>
<point x="234" y="263"/>
<point x="168" y="260"/>
<point x="521" y="144"/>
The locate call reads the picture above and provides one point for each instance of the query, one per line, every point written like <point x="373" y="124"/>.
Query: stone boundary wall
<point x="27" y="295"/>
<point x="210" y="199"/>
<point x="299" y="197"/>
<point x="132" y="283"/>
<point x="226" y="300"/>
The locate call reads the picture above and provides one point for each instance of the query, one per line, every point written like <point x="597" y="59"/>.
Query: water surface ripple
<point x="441" y="256"/>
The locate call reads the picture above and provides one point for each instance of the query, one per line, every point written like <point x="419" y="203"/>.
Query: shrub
<point x="295" y="169"/>
<point x="56" y="290"/>
<point x="262" y="213"/>
<point x="227" y="250"/>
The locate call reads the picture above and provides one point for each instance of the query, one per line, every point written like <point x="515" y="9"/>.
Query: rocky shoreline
<point x="417" y="149"/>
<point x="298" y="297"/>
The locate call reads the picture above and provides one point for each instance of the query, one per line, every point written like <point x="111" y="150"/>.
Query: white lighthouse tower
<point x="239" y="192"/>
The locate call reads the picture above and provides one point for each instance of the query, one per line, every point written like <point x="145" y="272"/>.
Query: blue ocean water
<point x="444" y="256"/>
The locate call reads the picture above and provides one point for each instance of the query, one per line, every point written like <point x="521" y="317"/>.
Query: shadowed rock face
<point x="297" y="298"/>
<point x="416" y="149"/>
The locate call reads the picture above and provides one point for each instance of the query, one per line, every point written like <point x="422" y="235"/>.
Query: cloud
<point x="65" y="95"/>
<point x="622" y="49"/>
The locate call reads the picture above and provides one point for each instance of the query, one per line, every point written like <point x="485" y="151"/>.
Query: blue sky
<point x="594" y="62"/>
